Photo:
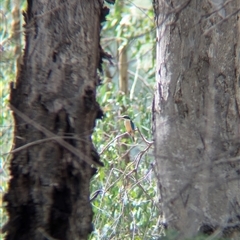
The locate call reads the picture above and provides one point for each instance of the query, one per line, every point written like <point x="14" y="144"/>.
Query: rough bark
<point x="196" y="115"/>
<point x="54" y="99"/>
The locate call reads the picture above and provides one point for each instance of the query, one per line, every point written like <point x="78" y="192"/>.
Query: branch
<point x="144" y="139"/>
<point x="38" y="142"/>
<point x="118" y="136"/>
<point x="60" y="141"/>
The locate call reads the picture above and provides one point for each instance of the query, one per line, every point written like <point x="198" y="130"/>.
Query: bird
<point x="129" y="125"/>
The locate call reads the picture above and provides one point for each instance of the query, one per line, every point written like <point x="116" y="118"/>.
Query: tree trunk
<point x="196" y="115"/>
<point x="54" y="109"/>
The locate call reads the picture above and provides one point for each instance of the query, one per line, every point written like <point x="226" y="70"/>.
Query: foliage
<point x="127" y="207"/>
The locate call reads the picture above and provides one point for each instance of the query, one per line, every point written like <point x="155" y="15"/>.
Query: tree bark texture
<point x="196" y="115"/>
<point x="54" y="107"/>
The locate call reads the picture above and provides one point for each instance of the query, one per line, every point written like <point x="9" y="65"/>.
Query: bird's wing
<point x="132" y="125"/>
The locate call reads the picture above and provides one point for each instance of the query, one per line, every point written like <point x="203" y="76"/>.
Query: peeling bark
<point x="196" y="115"/>
<point x="48" y="195"/>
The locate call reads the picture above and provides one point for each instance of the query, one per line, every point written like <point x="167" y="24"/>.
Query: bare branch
<point x="60" y="141"/>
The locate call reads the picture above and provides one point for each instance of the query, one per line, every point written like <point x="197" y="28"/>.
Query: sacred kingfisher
<point x="129" y="125"/>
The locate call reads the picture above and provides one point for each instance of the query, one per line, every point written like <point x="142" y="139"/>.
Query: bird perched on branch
<point x="129" y="125"/>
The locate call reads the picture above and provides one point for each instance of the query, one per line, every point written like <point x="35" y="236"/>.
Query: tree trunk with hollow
<point x="196" y="115"/>
<point x="54" y="109"/>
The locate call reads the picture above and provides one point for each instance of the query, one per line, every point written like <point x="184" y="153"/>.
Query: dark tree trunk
<point x="54" y="99"/>
<point x="196" y="115"/>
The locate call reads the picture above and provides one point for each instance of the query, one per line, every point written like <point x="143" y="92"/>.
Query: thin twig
<point x="141" y="154"/>
<point x="144" y="139"/>
<point x="60" y="141"/>
<point x="118" y="136"/>
<point x="38" y="142"/>
<point x="220" y="22"/>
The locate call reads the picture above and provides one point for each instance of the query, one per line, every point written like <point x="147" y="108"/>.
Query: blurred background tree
<point x="127" y="203"/>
